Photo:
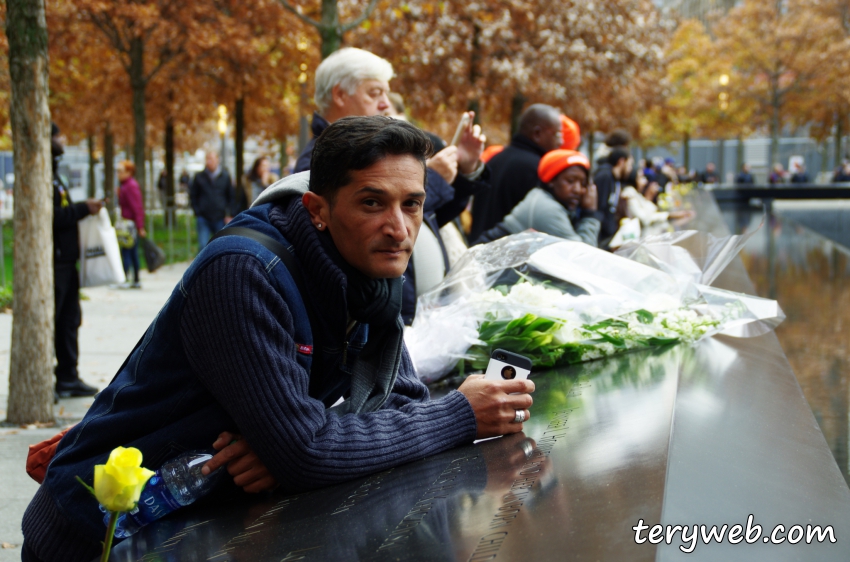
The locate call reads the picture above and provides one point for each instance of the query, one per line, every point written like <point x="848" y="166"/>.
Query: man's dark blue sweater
<point x="223" y="355"/>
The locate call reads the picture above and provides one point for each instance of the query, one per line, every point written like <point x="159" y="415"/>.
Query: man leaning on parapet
<point x="312" y="370"/>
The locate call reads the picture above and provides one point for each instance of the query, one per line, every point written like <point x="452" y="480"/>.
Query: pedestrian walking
<point x="211" y="197"/>
<point x="133" y="210"/>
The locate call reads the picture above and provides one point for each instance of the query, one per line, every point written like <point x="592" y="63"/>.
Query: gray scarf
<point x="376" y="302"/>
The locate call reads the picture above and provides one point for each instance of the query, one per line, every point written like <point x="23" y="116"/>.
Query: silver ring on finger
<point x="520" y="416"/>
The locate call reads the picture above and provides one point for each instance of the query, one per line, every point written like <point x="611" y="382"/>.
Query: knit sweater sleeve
<point x="236" y="330"/>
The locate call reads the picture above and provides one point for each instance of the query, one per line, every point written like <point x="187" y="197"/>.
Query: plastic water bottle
<point x="178" y="483"/>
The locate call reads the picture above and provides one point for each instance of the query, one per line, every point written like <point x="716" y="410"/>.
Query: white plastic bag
<point x="100" y="257"/>
<point x="629" y="230"/>
<point x="560" y="302"/>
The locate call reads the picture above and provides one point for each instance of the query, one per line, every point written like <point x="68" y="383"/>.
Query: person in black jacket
<point x="608" y="179"/>
<point x="211" y="196"/>
<point x="710" y="174"/>
<point x="513" y="172"/>
<point x="66" y="279"/>
<point x="744" y="177"/>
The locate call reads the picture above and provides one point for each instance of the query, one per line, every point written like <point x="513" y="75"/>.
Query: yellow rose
<point x="119" y="482"/>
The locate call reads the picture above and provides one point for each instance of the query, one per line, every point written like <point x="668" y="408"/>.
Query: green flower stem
<point x="110" y="533"/>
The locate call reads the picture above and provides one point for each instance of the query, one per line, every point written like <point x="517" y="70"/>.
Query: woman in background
<point x="132" y="209"/>
<point x="258" y="179"/>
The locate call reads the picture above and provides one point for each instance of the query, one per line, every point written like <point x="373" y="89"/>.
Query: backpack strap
<point x="286" y="256"/>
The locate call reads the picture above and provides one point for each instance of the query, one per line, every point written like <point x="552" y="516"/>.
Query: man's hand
<point x="470" y="146"/>
<point x="590" y="199"/>
<point x="143" y="233"/>
<point x="445" y="163"/>
<point x="495" y="404"/>
<point x="248" y="471"/>
<point x="94" y="205"/>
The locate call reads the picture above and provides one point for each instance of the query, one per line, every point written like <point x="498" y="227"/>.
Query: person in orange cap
<point x="565" y="205"/>
<point x="570" y="132"/>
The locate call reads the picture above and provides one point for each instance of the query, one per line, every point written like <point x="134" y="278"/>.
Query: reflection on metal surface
<point x="679" y="435"/>
<point x="810" y="276"/>
<point x="591" y="463"/>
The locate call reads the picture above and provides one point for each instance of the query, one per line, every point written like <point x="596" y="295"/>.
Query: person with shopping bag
<point x="133" y="213"/>
<point x="66" y="280"/>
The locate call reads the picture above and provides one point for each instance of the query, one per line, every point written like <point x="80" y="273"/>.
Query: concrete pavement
<point x="113" y="322"/>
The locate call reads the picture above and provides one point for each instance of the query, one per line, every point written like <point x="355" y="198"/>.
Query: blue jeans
<point x="130" y="258"/>
<point x="206" y="229"/>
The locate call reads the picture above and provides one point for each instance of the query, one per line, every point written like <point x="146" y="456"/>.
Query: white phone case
<point x="501" y="371"/>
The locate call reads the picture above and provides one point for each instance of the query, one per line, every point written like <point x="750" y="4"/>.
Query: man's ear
<point x="319" y="209"/>
<point x="339" y="96"/>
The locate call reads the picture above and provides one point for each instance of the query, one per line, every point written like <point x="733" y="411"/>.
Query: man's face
<point x="570" y="186"/>
<point x="709" y="167"/>
<point x="212" y="161"/>
<point x="623" y="168"/>
<point x="369" y="98"/>
<point x="374" y="220"/>
<point x="549" y="136"/>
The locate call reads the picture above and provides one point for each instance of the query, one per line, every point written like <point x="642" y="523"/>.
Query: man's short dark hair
<point x="618" y="154"/>
<point x="355" y="143"/>
<point x="618" y="138"/>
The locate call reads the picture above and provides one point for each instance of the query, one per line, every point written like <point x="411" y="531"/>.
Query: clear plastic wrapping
<point x="562" y="302"/>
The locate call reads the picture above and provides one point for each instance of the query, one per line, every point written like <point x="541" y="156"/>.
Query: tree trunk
<point x="109" y="169"/>
<point x="517" y="103"/>
<point x="686" y="148"/>
<point x="740" y="153"/>
<point x="590" y="149"/>
<point x="284" y="157"/>
<point x="92" y="163"/>
<point x="474" y="63"/>
<point x="838" y="134"/>
<point x="31" y="365"/>
<point x="774" y="135"/>
<point x="169" y="172"/>
<point x="475" y="105"/>
<point x="721" y="161"/>
<point x="138" y="85"/>
<point x="239" y="142"/>
<point x="303" y="125"/>
<point x="330" y="29"/>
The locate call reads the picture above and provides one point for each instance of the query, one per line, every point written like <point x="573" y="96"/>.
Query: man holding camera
<point x="313" y="372"/>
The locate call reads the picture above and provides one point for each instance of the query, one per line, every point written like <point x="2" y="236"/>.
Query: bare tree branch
<point x="357" y="21"/>
<point x="301" y="16"/>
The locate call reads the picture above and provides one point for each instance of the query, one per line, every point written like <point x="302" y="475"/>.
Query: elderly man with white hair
<point x="353" y="82"/>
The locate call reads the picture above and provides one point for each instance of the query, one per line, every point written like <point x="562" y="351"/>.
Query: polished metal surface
<point x="742" y="193"/>
<point x="680" y="436"/>
<point x="799" y="260"/>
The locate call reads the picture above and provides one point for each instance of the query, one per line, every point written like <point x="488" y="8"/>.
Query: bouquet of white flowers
<point x="560" y="302"/>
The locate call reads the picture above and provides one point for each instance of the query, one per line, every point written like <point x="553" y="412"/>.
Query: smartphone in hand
<point x="505" y="366"/>
<point x="464" y="123"/>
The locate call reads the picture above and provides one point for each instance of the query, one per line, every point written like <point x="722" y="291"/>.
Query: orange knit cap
<point x="556" y="161"/>
<point x="570" y="132"/>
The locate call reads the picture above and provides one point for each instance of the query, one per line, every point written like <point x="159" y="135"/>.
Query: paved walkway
<point x="113" y="322"/>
